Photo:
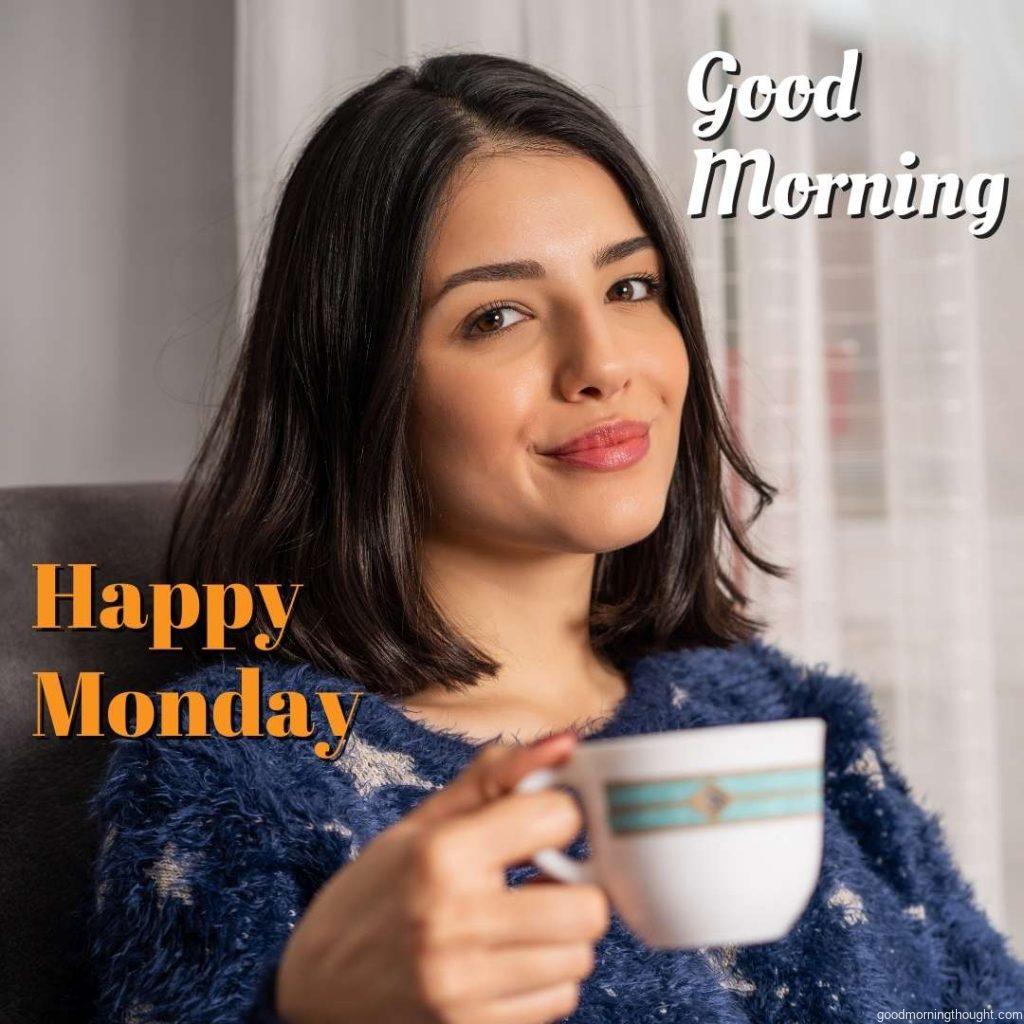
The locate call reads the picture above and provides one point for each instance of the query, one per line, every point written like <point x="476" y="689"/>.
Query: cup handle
<point x="551" y="861"/>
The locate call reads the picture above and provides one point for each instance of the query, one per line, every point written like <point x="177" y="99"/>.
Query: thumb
<point x="493" y="773"/>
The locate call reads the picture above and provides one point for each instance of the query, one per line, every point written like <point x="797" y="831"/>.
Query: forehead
<point x="519" y="204"/>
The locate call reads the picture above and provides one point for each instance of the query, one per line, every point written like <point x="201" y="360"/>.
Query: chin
<point x="612" y="535"/>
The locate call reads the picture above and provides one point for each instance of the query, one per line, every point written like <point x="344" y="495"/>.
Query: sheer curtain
<point x="869" y="365"/>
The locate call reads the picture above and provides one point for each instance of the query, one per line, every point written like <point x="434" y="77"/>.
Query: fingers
<point x="548" y="1004"/>
<point x="533" y="914"/>
<point x="493" y="772"/>
<point x="511" y="830"/>
<point x="510" y="971"/>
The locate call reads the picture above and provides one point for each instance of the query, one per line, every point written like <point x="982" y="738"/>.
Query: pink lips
<point x="608" y="446"/>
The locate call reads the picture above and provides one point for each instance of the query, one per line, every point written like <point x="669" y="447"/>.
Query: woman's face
<point x="562" y="333"/>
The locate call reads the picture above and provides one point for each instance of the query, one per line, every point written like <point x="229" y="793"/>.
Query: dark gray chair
<point x="47" y="842"/>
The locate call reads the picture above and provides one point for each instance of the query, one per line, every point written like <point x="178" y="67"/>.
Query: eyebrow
<point x="518" y="270"/>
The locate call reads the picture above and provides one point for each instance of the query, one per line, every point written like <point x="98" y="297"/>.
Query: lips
<point x="609" y="446"/>
<point x="606" y="435"/>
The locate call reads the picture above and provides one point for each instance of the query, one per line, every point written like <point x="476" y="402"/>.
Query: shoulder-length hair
<point x="305" y="475"/>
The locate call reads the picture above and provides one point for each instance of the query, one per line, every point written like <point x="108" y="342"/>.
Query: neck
<point x="529" y="611"/>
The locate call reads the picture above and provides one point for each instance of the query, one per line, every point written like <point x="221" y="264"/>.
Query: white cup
<point x="701" y="837"/>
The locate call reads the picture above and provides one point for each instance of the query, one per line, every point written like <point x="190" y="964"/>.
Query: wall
<point x="117" y="255"/>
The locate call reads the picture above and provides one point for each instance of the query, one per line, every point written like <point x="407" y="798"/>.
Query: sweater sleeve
<point x="905" y="842"/>
<point x="195" y="894"/>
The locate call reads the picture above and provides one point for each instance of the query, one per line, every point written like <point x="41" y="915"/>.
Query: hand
<point x="422" y="927"/>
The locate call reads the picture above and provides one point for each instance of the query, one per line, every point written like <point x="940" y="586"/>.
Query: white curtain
<point x="872" y="367"/>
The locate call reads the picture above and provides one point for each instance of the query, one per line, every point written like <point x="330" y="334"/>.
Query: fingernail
<point x="553" y="738"/>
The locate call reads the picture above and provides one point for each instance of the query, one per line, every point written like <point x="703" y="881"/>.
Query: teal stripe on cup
<point x="711" y="799"/>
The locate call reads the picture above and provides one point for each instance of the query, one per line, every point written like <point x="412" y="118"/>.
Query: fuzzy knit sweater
<point x="213" y="847"/>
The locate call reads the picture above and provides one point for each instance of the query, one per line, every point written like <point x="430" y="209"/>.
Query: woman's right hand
<point x="422" y="927"/>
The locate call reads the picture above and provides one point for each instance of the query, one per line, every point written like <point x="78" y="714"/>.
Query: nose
<point x="590" y="360"/>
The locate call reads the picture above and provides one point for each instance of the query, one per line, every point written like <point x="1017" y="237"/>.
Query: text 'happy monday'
<point x="214" y="609"/>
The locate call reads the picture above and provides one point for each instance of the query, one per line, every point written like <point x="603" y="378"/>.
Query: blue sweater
<point x="213" y="847"/>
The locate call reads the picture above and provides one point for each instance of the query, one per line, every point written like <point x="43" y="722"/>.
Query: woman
<point x="471" y="269"/>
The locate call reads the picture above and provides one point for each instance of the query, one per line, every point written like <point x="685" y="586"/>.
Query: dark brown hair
<point x="305" y="475"/>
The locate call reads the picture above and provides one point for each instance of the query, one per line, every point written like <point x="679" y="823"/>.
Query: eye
<point x="635" y="289"/>
<point x="492" y="319"/>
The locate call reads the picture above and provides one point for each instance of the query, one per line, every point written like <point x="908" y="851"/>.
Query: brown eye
<point x="492" y="320"/>
<point x="634" y="289"/>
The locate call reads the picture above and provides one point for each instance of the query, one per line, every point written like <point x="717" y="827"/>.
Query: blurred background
<point x="872" y="367"/>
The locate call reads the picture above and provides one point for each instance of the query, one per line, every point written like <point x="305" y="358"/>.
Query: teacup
<point x="701" y="837"/>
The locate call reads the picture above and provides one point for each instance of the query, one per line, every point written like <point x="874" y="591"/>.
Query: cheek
<point x="680" y="373"/>
<point x="668" y="367"/>
<point x="469" y="424"/>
